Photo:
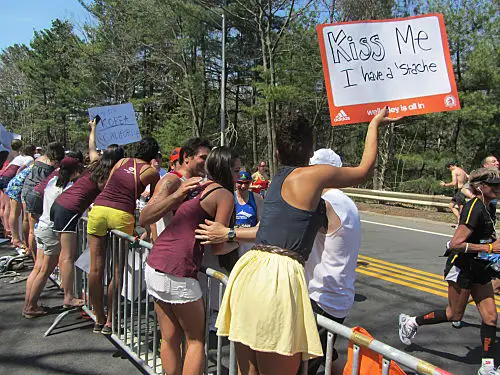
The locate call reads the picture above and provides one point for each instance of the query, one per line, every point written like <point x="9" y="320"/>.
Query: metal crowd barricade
<point x="388" y="352"/>
<point x="135" y="326"/>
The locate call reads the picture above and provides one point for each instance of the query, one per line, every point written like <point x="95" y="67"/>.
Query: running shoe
<point x="488" y="369"/>
<point x="407" y="328"/>
<point x="457" y="324"/>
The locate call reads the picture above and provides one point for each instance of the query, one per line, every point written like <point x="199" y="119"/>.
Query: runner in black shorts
<point x="458" y="198"/>
<point x="465" y="273"/>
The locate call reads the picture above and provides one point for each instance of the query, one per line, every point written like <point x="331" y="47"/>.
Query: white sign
<point x="117" y="125"/>
<point x="387" y="62"/>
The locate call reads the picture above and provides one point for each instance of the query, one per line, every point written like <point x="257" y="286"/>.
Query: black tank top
<point x="285" y="226"/>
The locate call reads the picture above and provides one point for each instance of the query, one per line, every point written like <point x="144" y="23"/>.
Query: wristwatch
<point x="231" y="235"/>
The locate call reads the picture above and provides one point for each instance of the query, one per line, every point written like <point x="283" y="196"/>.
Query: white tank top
<point x="331" y="267"/>
<point x="50" y="195"/>
<point x="21" y="160"/>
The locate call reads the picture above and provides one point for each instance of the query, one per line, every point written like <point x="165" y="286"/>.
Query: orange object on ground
<point x="371" y="362"/>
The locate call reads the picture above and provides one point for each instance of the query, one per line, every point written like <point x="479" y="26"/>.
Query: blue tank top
<point x="246" y="214"/>
<point x="286" y="226"/>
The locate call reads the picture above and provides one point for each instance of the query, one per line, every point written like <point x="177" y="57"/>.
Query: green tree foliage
<point x="165" y="56"/>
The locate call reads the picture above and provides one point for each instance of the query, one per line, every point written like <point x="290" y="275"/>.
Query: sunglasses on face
<point x="242" y="182"/>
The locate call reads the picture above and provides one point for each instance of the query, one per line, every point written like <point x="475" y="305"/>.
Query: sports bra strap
<point x="210" y="192"/>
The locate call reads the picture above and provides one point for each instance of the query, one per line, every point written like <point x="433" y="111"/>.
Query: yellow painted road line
<point x="402" y="282"/>
<point x="369" y="259"/>
<point x="410" y="285"/>
<point x="410" y="277"/>
<point x="405" y="273"/>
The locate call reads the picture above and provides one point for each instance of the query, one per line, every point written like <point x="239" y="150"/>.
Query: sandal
<point x="75" y="303"/>
<point x="34" y="314"/>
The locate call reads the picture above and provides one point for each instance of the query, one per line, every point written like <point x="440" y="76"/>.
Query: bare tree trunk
<point x="254" y="131"/>
<point x="375" y="179"/>
<point x="269" y="124"/>
<point x="386" y="154"/>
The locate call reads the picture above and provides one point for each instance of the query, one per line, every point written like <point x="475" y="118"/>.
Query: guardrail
<point x="394" y="196"/>
<point x="135" y="326"/>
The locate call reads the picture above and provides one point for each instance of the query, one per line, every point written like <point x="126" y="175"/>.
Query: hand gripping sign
<point x="117" y="125"/>
<point x="402" y="63"/>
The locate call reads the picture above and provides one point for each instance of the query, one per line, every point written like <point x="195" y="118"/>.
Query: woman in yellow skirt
<point x="266" y="309"/>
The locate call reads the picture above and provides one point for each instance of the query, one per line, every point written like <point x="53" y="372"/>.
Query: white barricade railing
<point x="388" y="352"/>
<point x="135" y="326"/>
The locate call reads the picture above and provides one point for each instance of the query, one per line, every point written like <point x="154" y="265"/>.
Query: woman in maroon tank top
<point x="72" y="203"/>
<point x="114" y="208"/>
<point x="173" y="264"/>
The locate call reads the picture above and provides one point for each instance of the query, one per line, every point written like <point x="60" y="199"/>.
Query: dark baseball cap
<point x="70" y="163"/>
<point x="244" y="177"/>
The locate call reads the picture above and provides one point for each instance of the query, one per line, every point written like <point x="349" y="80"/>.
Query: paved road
<point x="399" y="270"/>
<point x="73" y="349"/>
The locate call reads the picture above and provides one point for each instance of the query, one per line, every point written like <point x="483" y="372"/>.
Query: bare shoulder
<point x="169" y="182"/>
<point x="313" y="174"/>
<point x="216" y="191"/>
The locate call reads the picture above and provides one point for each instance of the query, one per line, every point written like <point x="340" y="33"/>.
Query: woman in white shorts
<point x="173" y="264"/>
<point x="48" y="244"/>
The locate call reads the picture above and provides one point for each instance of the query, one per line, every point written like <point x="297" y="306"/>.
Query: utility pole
<point x="223" y="84"/>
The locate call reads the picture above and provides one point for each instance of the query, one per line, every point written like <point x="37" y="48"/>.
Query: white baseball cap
<point x="325" y="156"/>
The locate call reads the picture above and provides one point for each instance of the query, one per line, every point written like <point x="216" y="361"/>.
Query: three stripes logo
<point x="341" y="116"/>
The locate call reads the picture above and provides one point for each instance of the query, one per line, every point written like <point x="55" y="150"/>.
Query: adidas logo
<point x="341" y="116"/>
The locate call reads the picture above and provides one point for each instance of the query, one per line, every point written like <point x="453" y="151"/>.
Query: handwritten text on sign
<point x="393" y="62"/>
<point x="118" y="125"/>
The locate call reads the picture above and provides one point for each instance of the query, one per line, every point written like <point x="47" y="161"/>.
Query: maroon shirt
<point x="80" y="195"/>
<point x="176" y="251"/>
<point x="10" y="171"/>
<point x="40" y="188"/>
<point x="121" y="192"/>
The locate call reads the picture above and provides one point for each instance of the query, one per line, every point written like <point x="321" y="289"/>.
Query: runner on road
<point x="260" y="180"/>
<point x="458" y="179"/>
<point x="465" y="274"/>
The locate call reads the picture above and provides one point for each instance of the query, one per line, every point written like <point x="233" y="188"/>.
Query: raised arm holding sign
<point x="117" y="125"/>
<point x="401" y="63"/>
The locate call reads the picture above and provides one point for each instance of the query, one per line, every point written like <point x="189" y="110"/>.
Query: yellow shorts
<point x="103" y="219"/>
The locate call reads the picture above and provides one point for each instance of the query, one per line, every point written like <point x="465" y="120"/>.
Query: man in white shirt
<point x="331" y="267"/>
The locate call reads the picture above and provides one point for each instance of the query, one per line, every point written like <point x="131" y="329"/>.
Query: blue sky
<point x="19" y="18"/>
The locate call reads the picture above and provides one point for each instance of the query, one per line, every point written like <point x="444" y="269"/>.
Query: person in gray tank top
<point x="279" y="334"/>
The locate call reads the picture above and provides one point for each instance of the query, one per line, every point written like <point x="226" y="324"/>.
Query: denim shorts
<point x="171" y="289"/>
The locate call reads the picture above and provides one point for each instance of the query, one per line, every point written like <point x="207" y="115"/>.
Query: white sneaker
<point x="407" y="329"/>
<point x="488" y="368"/>
<point x="457" y="324"/>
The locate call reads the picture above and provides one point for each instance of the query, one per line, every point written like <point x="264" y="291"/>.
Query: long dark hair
<point x="65" y="173"/>
<point x="219" y="164"/>
<point x="3" y="156"/>
<point x="147" y="149"/>
<point x="99" y="169"/>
